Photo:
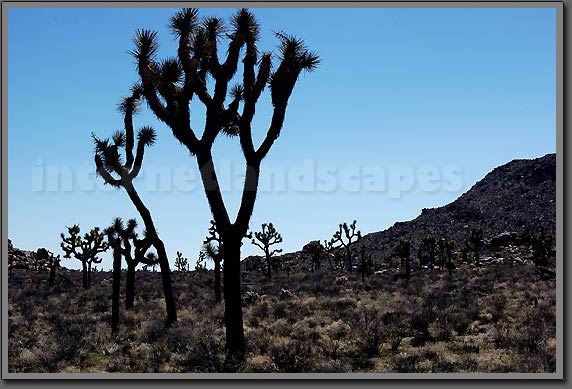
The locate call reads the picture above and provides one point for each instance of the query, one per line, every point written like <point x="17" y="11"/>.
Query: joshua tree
<point x="119" y="173"/>
<point x="264" y="240"/>
<point x="200" y="265"/>
<point x="181" y="263"/>
<point x="46" y="260"/>
<point x="449" y="245"/>
<point x="135" y="251"/>
<point x="169" y="86"/>
<point x="213" y="249"/>
<point x="84" y="249"/>
<point x="465" y="251"/>
<point x="114" y="239"/>
<point x="54" y="264"/>
<point x="365" y="262"/>
<point x="429" y="243"/>
<point x="315" y="250"/>
<point x="404" y="253"/>
<point x="540" y="245"/>
<point x="476" y="241"/>
<point x="350" y="233"/>
<point x="329" y="248"/>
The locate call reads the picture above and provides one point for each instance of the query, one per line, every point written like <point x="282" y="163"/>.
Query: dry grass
<point x="499" y="318"/>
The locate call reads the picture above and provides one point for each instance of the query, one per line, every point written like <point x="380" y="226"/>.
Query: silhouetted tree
<point x="169" y="86"/>
<point x="345" y="236"/>
<point x="315" y="250"/>
<point x="45" y="260"/>
<point x="465" y="251"/>
<point x="476" y="241"/>
<point x="365" y="262"/>
<point x="181" y="263"/>
<point x="114" y="240"/>
<point x="200" y="264"/>
<point x="329" y="248"/>
<point x="264" y="240"/>
<point x="214" y="249"/>
<point x="540" y="244"/>
<point x="429" y="244"/>
<point x="404" y="252"/>
<point x="118" y="173"/>
<point x="84" y="249"/>
<point x="54" y="264"/>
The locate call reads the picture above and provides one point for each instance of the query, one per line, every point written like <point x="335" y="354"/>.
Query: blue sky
<point x="399" y="91"/>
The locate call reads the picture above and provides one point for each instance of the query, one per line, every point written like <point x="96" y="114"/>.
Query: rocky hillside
<point x="511" y="198"/>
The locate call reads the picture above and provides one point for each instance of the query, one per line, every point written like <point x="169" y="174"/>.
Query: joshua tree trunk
<point x="84" y="275"/>
<point x="89" y="274"/>
<point x="130" y="286"/>
<point x="217" y="280"/>
<point x="161" y="253"/>
<point x="268" y="266"/>
<point x="349" y="258"/>
<point x="330" y="262"/>
<point x="116" y="286"/>
<point x="233" y="303"/>
<point x="52" y="278"/>
<point x="167" y="286"/>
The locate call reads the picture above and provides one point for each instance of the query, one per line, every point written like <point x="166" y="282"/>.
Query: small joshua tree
<point x="315" y="250"/>
<point x="265" y="239"/>
<point x="181" y="263"/>
<point x="540" y="245"/>
<point x="114" y="240"/>
<point x="169" y="86"/>
<point x="465" y="251"/>
<point x="214" y="250"/>
<point x="84" y="249"/>
<point x="449" y="245"/>
<point x="347" y="236"/>
<point x="404" y="253"/>
<point x="120" y="174"/>
<point x="429" y="244"/>
<point x="54" y="264"/>
<point x="46" y="260"/>
<point x="329" y="248"/>
<point x="200" y="265"/>
<point x="126" y="243"/>
<point x="476" y="241"/>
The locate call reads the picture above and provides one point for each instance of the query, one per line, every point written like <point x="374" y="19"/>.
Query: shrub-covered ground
<point x="499" y="317"/>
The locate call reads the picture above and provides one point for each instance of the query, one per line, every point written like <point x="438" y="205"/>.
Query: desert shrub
<point x="258" y="313"/>
<point x="370" y="331"/>
<point x="407" y="363"/>
<point x="205" y="353"/>
<point x="497" y="305"/>
<point x="153" y="329"/>
<point x="420" y="325"/>
<point x="280" y="309"/>
<point x="292" y="356"/>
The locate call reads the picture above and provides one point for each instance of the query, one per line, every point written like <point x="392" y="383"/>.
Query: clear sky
<point x="408" y="109"/>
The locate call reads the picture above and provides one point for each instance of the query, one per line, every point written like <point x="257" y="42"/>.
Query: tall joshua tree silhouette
<point x="214" y="249"/>
<point x="345" y="237"/>
<point x="120" y="174"/>
<point x="84" y="249"/>
<point x="264" y="240"/>
<point x="169" y="86"/>
<point x="404" y="252"/>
